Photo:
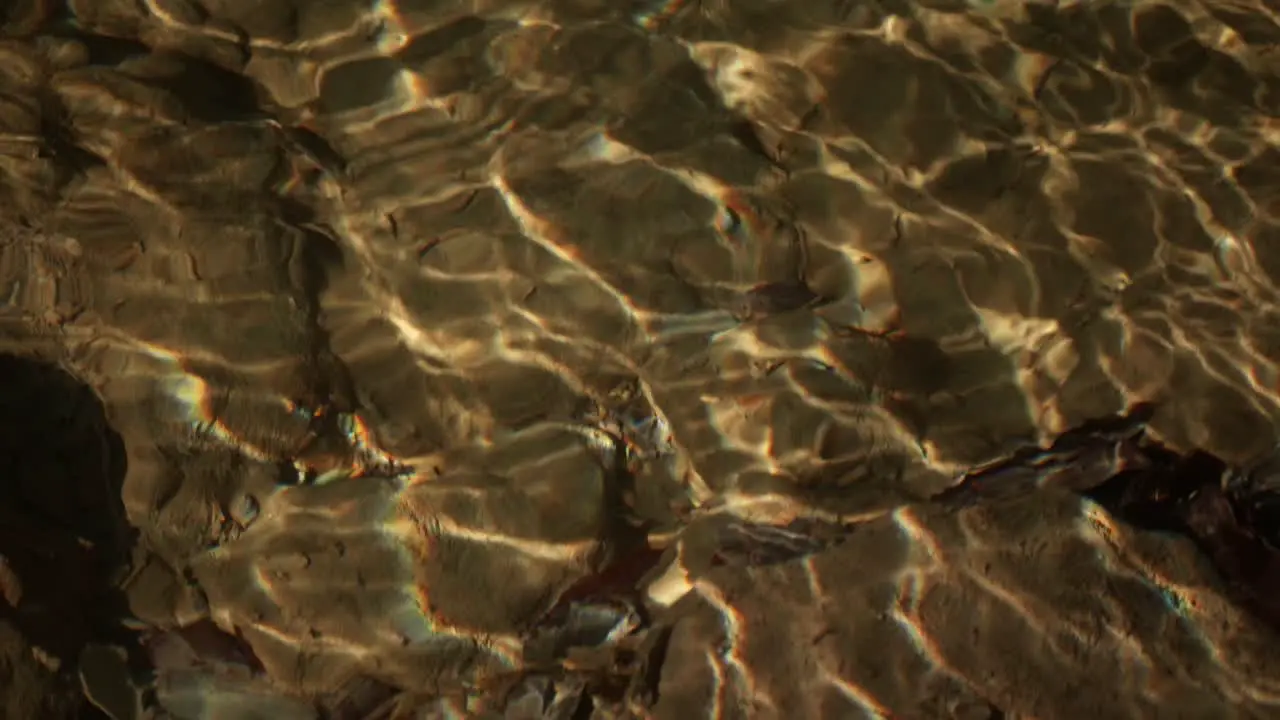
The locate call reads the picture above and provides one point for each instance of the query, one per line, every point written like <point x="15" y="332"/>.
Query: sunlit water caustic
<point x="614" y="359"/>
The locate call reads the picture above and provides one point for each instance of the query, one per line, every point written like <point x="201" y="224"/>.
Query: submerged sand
<point x="410" y="322"/>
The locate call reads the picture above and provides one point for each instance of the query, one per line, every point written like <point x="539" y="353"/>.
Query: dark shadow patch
<point x="107" y="50"/>
<point x="438" y="41"/>
<point x="210" y="93"/>
<point x="71" y="160"/>
<point x="63" y="530"/>
<point x="645" y="686"/>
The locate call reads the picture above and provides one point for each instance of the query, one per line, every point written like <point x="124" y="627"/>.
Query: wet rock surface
<point x="481" y="592"/>
<point x="944" y="614"/>
<point x="399" y="360"/>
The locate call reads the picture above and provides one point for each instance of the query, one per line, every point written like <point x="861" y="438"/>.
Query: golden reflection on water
<point x="841" y="252"/>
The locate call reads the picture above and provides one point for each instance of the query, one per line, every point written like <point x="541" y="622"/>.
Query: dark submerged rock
<point x="63" y="536"/>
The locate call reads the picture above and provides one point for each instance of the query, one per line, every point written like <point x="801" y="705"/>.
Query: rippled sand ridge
<point x="586" y="358"/>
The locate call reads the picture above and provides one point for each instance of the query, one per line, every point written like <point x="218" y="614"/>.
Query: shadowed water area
<point x="618" y="359"/>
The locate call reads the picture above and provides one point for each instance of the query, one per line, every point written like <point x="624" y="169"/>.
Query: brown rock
<point x="937" y="613"/>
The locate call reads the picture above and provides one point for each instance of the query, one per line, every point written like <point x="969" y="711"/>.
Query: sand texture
<point x="617" y="358"/>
